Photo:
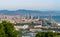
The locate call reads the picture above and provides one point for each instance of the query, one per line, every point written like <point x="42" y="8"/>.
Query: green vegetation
<point x="46" y="34"/>
<point x="58" y="36"/>
<point x="7" y="29"/>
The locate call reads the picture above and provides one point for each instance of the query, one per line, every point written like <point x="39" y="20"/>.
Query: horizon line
<point x="27" y="9"/>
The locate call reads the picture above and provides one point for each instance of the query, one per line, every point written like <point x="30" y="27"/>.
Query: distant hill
<point x="31" y="12"/>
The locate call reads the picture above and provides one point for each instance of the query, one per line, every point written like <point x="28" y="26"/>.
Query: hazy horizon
<point x="30" y="4"/>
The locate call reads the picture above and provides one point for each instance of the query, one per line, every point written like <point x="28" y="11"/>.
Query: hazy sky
<point x="30" y="4"/>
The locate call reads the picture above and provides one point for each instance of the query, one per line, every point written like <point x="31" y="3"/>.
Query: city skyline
<point x="30" y="4"/>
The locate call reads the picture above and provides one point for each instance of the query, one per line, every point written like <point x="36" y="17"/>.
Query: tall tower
<point x="50" y="17"/>
<point x="38" y="17"/>
<point x="29" y="15"/>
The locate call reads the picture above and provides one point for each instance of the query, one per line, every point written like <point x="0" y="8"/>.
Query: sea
<point x="56" y="18"/>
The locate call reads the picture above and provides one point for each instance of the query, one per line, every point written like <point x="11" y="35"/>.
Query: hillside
<point x="31" y="12"/>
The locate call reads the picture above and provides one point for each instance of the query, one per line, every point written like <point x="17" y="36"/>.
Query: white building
<point x="21" y="27"/>
<point x="37" y="26"/>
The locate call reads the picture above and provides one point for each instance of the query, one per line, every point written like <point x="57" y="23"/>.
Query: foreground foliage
<point x="7" y="29"/>
<point x="46" y="34"/>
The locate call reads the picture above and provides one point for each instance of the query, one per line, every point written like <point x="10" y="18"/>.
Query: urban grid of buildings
<point x="31" y="24"/>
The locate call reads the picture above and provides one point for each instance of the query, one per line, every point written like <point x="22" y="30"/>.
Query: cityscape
<point x="29" y="18"/>
<point x="30" y="25"/>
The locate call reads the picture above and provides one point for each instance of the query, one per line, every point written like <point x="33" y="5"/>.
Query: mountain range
<point x="29" y="12"/>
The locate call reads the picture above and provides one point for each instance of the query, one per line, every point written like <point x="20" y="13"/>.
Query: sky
<point x="30" y="4"/>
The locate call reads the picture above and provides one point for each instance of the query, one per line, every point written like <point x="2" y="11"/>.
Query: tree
<point x="40" y="34"/>
<point x="2" y="33"/>
<point x="46" y="34"/>
<point x="7" y="29"/>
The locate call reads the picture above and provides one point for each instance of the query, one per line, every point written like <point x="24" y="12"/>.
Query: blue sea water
<point x="56" y="18"/>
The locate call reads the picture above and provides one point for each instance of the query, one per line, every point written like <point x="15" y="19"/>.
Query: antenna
<point x="50" y="17"/>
